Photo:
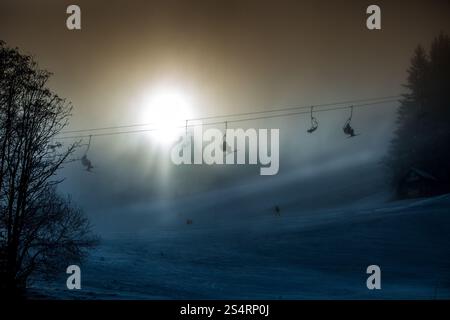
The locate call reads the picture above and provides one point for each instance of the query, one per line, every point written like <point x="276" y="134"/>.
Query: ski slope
<point x="315" y="254"/>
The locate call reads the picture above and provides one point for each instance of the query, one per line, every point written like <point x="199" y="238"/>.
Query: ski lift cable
<point x="231" y="120"/>
<point x="235" y="120"/>
<point x="298" y="107"/>
<point x="238" y="114"/>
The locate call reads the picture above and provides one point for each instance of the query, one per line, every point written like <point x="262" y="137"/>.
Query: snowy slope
<point x="320" y="253"/>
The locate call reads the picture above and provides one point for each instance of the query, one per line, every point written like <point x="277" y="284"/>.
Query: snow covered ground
<point x="315" y="254"/>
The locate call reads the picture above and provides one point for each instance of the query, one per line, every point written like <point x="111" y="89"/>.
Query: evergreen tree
<point x="422" y="137"/>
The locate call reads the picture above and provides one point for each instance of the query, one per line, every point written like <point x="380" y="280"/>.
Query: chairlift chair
<point x="314" y="123"/>
<point x="348" y="129"/>
<point x="84" y="159"/>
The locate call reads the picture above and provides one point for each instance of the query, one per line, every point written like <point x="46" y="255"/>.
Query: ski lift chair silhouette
<point x="225" y="146"/>
<point x="186" y="142"/>
<point x="314" y="123"/>
<point x="348" y="129"/>
<point x="84" y="159"/>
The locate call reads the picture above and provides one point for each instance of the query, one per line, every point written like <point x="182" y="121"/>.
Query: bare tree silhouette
<point x="40" y="231"/>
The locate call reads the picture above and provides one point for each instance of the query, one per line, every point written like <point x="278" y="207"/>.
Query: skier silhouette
<point x="348" y="130"/>
<point x="87" y="163"/>
<point x="277" y="211"/>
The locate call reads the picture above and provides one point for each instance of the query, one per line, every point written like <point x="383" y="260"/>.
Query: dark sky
<point x="228" y="56"/>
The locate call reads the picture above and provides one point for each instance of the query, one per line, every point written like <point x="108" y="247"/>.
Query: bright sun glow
<point x="166" y="110"/>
